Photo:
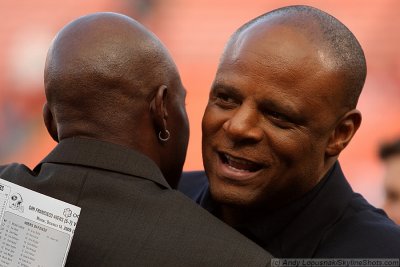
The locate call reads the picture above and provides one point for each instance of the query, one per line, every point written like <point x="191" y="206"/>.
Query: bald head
<point x="333" y="40"/>
<point x="281" y="109"/>
<point x="109" y="78"/>
<point x="101" y="69"/>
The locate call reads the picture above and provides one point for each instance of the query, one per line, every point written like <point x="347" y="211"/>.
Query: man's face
<point x="271" y="112"/>
<point x="392" y="188"/>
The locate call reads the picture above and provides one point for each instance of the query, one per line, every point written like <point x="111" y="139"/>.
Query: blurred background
<point x="195" y="33"/>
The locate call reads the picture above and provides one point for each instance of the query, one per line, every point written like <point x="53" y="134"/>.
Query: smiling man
<point x="281" y="109"/>
<point x="115" y="105"/>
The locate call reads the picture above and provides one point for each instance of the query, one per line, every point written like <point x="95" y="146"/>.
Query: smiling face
<point x="273" y="107"/>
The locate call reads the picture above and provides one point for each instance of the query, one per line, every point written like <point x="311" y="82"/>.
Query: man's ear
<point x="343" y="132"/>
<point x="50" y="122"/>
<point x="158" y="109"/>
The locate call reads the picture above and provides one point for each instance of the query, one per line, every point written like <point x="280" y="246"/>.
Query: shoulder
<point x="210" y="240"/>
<point x="162" y="215"/>
<point x="194" y="177"/>
<point x="8" y="167"/>
<point x="193" y="184"/>
<point x="11" y="172"/>
<point x="362" y="231"/>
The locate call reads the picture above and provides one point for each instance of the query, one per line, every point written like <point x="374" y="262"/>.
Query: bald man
<point x="281" y="109"/>
<point x="116" y="107"/>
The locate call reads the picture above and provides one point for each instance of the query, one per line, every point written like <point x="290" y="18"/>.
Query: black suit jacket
<point x="129" y="214"/>
<point x="331" y="221"/>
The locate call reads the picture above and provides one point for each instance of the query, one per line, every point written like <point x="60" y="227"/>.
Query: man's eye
<point x="279" y="119"/>
<point x="224" y="97"/>
<point x="276" y="115"/>
<point x="225" y="100"/>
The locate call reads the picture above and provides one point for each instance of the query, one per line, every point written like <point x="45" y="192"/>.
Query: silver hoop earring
<point x="165" y="139"/>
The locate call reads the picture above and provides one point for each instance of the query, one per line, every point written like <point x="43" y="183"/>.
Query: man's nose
<point x="244" y="125"/>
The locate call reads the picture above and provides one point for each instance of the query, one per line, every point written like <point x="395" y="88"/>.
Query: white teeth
<point x="238" y="170"/>
<point x="240" y="161"/>
<point x="236" y="160"/>
<point x="241" y="165"/>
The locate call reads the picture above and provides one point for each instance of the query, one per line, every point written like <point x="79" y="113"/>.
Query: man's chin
<point x="232" y="199"/>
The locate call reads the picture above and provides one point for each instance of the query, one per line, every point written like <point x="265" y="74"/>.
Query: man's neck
<point x="230" y="215"/>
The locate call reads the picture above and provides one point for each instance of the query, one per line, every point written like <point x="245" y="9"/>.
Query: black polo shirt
<point x="329" y="221"/>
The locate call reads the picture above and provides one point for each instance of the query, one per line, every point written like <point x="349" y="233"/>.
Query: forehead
<point x="281" y="56"/>
<point x="283" y="46"/>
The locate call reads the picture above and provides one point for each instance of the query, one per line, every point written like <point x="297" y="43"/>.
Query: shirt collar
<point x="103" y="155"/>
<point x="295" y="231"/>
<point x="303" y="235"/>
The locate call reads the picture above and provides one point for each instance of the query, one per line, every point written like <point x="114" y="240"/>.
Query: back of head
<point x="102" y="72"/>
<point x="97" y="66"/>
<point x="340" y="43"/>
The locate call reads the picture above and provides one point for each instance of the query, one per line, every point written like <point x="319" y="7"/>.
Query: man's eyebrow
<point x="226" y="88"/>
<point x="279" y="106"/>
<point x="286" y="109"/>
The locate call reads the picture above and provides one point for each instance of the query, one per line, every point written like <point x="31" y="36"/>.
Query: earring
<point x="165" y="139"/>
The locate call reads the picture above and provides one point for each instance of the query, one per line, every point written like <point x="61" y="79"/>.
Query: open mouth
<point x="239" y="165"/>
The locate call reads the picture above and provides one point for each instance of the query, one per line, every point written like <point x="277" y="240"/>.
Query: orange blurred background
<point x="195" y="33"/>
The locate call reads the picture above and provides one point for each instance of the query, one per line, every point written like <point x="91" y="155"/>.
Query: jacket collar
<point x="107" y="156"/>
